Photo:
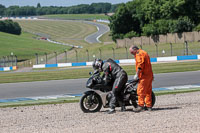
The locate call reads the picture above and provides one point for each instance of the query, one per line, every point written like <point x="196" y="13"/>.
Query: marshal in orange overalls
<point x="144" y="89"/>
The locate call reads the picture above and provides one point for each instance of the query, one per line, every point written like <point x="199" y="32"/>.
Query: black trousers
<point x="118" y="89"/>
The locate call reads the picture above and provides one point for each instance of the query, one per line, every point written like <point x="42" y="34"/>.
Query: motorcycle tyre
<point x="88" y="110"/>
<point x="153" y="97"/>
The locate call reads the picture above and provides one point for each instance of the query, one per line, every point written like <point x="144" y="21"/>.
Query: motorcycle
<point x="100" y="94"/>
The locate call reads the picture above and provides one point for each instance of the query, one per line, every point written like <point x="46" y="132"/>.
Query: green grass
<point x="77" y="16"/>
<point x="83" y="72"/>
<point x="158" y="93"/>
<point x="106" y="37"/>
<point x="40" y="102"/>
<point x="26" y="45"/>
<point x="62" y="31"/>
<point x="169" y="67"/>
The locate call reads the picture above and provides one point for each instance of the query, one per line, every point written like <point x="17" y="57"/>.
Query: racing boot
<point x="123" y="108"/>
<point x="138" y="109"/>
<point x="111" y="111"/>
<point x="122" y="105"/>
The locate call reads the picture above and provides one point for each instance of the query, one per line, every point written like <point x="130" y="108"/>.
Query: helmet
<point x="97" y="64"/>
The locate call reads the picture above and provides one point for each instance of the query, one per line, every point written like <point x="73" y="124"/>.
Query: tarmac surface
<point x="77" y="86"/>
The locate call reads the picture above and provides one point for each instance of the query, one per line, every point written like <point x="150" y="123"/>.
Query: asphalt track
<point x="77" y="86"/>
<point x="94" y="38"/>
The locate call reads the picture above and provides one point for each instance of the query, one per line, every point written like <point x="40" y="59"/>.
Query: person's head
<point x="133" y="49"/>
<point x="97" y="64"/>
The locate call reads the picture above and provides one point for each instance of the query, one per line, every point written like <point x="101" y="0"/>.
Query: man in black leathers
<point x="113" y="71"/>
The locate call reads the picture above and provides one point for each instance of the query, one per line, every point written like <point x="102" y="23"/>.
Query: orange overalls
<point x="144" y="89"/>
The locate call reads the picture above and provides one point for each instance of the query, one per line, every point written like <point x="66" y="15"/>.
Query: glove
<point x="107" y="79"/>
<point x="135" y="77"/>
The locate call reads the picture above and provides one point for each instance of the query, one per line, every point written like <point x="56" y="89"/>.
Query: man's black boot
<point x="111" y="111"/>
<point x="138" y="109"/>
<point x="149" y="108"/>
<point x="123" y="108"/>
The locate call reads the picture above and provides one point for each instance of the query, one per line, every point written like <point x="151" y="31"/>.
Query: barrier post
<point x="45" y="58"/>
<point x="113" y="53"/>
<point x="4" y="60"/>
<point x="12" y="59"/>
<point x="141" y="46"/>
<point x="15" y="60"/>
<point x="87" y="55"/>
<point x="8" y="61"/>
<point x="186" y="47"/>
<point x="36" y="54"/>
<point x="171" y="48"/>
<point x="156" y="50"/>
<point x="100" y="53"/>
<point x="76" y="56"/>
<point x="126" y="52"/>
<point x="65" y="56"/>
<point x="56" y="57"/>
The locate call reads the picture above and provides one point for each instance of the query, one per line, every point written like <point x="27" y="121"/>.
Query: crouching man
<point x="113" y="71"/>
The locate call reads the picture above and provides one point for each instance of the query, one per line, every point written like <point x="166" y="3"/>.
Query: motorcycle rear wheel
<point x="90" y="103"/>
<point x="134" y="100"/>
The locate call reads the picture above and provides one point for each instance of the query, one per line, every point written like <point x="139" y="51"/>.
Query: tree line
<point x="154" y="17"/>
<point x="11" y="27"/>
<point x="94" y="8"/>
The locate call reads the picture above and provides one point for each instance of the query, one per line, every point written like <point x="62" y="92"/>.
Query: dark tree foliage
<point x="153" y="17"/>
<point x="2" y="9"/>
<point x="125" y="22"/>
<point x="39" y="10"/>
<point x="9" y="26"/>
<point x="38" y="5"/>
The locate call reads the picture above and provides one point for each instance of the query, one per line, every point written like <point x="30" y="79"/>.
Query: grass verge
<point x="83" y="72"/>
<point x="159" y="93"/>
<point x="40" y="102"/>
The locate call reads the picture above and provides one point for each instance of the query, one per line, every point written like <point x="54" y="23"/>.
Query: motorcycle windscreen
<point x="89" y="83"/>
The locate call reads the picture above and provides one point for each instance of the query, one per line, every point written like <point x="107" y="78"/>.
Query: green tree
<point x="100" y="7"/>
<point x="183" y="24"/>
<point x="9" y="26"/>
<point x="120" y="22"/>
<point x="197" y="28"/>
<point x="125" y="21"/>
<point x="2" y="10"/>
<point x="153" y="17"/>
<point x="38" y="5"/>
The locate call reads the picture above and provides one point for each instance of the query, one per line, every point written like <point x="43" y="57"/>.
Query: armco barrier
<point x="8" y="68"/>
<point x="123" y="61"/>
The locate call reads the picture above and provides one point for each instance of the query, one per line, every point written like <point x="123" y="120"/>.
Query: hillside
<point x="70" y="32"/>
<point x="26" y="45"/>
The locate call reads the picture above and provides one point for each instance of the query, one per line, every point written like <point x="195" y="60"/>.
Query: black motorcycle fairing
<point x="96" y="82"/>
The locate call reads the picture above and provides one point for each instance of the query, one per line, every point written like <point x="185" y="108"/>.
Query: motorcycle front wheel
<point x="90" y="103"/>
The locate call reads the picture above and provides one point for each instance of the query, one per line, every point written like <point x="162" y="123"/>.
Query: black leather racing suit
<point x="111" y="68"/>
